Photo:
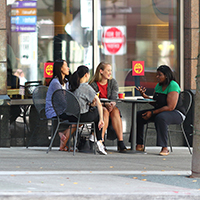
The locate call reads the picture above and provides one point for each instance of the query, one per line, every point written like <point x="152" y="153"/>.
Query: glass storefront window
<point x="42" y="31"/>
<point x="128" y="30"/>
<point x="149" y="28"/>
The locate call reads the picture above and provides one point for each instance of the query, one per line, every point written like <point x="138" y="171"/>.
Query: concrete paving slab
<point x="33" y="174"/>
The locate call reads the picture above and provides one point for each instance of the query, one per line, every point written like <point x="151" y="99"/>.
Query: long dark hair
<point x="57" y="71"/>
<point x="167" y="72"/>
<point x="74" y="81"/>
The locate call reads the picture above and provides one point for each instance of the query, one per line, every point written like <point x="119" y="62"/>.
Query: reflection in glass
<point x="151" y="27"/>
<point x="63" y="29"/>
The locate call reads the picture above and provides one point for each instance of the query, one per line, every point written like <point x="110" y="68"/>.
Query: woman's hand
<point x="101" y="124"/>
<point x="141" y="89"/>
<point x="147" y="115"/>
<point x="110" y="106"/>
<point x="100" y="110"/>
<point x="94" y="103"/>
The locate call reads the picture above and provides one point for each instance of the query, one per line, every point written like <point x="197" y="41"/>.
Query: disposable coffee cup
<point x="121" y="95"/>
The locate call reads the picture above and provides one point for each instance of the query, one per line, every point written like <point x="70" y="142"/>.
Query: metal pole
<point x="95" y="34"/>
<point x="182" y="45"/>
<point x="113" y="66"/>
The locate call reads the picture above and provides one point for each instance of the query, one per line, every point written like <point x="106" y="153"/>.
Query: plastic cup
<point x="121" y="95"/>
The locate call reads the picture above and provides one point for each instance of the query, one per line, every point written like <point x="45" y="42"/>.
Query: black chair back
<point x="30" y="87"/>
<point x="39" y="99"/>
<point x="187" y="100"/>
<point x="65" y="102"/>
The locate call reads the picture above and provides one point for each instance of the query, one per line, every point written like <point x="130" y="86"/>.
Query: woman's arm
<point x="100" y="110"/>
<point x="172" y="99"/>
<point x="112" y="89"/>
<point x="142" y="91"/>
<point x="94" y="86"/>
<point x="110" y="105"/>
<point x="112" y="94"/>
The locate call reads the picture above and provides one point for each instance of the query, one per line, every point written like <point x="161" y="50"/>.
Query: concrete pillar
<point x="191" y="38"/>
<point x="59" y="18"/>
<point x="4" y="99"/>
<point x="4" y="121"/>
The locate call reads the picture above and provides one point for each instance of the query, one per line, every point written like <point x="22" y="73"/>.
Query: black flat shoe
<point x="121" y="147"/>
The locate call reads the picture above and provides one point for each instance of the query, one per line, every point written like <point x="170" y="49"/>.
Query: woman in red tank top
<point x="107" y="87"/>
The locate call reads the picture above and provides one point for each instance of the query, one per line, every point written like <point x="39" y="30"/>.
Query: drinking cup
<point x="121" y="95"/>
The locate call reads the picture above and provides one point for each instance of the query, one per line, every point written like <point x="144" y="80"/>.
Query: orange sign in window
<point x="138" y="68"/>
<point x="48" y="70"/>
<point x="23" y="11"/>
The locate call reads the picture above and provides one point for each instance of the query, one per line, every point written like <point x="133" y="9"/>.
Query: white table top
<point x="137" y="99"/>
<point x="21" y="102"/>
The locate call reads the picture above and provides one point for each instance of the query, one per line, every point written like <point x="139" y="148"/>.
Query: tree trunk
<point x="196" y="132"/>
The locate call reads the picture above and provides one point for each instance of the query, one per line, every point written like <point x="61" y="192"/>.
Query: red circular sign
<point x="113" y="39"/>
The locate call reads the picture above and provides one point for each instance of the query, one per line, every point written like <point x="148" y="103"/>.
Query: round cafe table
<point x="134" y="101"/>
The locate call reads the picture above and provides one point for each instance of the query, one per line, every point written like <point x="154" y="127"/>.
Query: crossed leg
<point x="64" y="137"/>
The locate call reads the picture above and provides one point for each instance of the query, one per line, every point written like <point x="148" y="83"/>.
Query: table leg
<point x="134" y="129"/>
<point x="133" y="133"/>
<point x="25" y="109"/>
<point x="25" y="121"/>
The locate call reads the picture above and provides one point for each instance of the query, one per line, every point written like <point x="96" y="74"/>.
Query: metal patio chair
<point x="30" y="87"/>
<point x="39" y="101"/>
<point x="64" y="101"/>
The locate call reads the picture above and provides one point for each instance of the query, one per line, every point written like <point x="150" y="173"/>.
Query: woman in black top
<point x="168" y="109"/>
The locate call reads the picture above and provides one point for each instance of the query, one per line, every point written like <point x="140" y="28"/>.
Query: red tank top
<point x="103" y="90"/>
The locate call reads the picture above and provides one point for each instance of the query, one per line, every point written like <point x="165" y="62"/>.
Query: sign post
<point x="48" y="72"/>
<point x="137" y="70"/>
<point x="114" y="42"/>
<point x="48" y="69"/>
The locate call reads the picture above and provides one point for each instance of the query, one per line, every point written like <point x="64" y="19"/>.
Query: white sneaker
<point x="101" y="148"/>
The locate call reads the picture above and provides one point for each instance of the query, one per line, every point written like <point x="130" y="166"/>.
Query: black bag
<point x="85" y="145"/>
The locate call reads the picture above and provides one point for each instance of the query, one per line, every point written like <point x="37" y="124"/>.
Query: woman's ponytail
<point x="74" y="81"/>
<point x="76" y="76"/>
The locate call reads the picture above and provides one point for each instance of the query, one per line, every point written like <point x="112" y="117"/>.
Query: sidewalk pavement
<point x="33" y="174"/>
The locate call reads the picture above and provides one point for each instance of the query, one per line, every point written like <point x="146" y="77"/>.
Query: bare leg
<point x="62" y="136"/>
<point x="106" y="121"/>
<point x="117" y="123"/>
<point x="66" y="133"/>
